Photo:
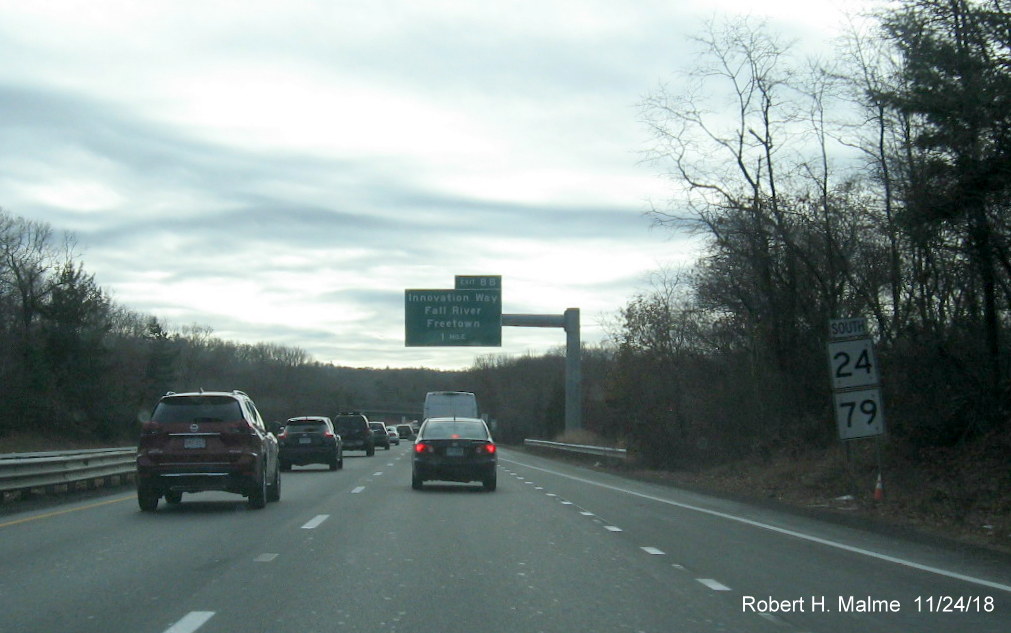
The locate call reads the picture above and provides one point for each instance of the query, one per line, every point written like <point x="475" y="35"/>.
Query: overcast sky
<point x="282" y="171"/>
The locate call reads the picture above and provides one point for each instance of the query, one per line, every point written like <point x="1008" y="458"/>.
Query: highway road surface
<point x="557" y="548"/>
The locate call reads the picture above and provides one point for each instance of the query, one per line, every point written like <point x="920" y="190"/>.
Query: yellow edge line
<point x="59" y="512"/>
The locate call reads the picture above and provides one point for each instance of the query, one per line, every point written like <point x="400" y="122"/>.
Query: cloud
<point x="283" y="171"/>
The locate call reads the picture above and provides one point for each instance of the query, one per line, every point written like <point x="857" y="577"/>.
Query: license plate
<point x="305" y="440"/>
<point x="194" y="442"/>
<point x="454" y="451"/>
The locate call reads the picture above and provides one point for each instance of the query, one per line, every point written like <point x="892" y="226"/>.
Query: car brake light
<point x="486" y="448"/>
<point x="150" y="427"/>
<point x="328" y="434"/>
<point x="421" y="447"/>
<point x="283" y="435"/>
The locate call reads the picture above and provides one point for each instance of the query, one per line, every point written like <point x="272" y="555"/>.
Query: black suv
<point x="380" y="436"/>
<point x="212" y="440"/>
<point x="355" y="432"/>
<point x="310" y="439"/>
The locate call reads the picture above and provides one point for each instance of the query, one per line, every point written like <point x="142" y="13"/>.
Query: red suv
<point x="211" y="440"/>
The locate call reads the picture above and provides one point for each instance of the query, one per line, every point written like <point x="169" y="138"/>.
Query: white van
<point x="450" y="404"/>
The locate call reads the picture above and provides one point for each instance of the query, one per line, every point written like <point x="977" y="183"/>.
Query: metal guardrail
<point x="616" y="453"/>
<point x="61" y="470"/>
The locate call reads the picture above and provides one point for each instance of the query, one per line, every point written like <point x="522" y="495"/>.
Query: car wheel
<point x="275" y="488"/>
<point x="258" y="496"/>
<point x="173" y="497"/>
<point x="285" y="466"/>
<point x="340" y="462"/>
<point x="147" y="499"/>
<point x="417" y="482"/>
<point x="333" y="464"/>
<point x="490" y="483"/>
<point x="369" y="452"/>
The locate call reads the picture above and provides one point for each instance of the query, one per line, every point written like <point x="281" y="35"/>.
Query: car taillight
<point x="421" y="447"/>
<point x="283" y="435"/>
<point x="487" y="449"/>
<point x="150" y="428"/>
<point x="328" y="434"/>
<point x="242" y="427"/>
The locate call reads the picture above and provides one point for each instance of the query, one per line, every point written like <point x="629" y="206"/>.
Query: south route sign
<point x="438" y="318"/>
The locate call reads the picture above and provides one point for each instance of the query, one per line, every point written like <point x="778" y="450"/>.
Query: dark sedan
<point x="454" y="449"/>
<point x="310" y="440"/>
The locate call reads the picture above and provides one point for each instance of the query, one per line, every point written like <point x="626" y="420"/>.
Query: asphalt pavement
<point x="557" y="548"/>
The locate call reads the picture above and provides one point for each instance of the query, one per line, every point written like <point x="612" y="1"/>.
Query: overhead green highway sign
<point x="435" y="318"/>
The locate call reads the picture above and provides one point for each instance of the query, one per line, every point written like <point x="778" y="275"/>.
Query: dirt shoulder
<point x="960" y="494"/>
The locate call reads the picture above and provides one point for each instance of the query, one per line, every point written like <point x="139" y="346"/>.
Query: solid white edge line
<point x="190" y="622"/>
<point x="793" y="533"/>
<point x="315" y="521"/>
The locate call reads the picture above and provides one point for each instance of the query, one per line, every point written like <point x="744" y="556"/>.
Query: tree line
<point x="875" y="184"/>
<point x="78" y="366"/>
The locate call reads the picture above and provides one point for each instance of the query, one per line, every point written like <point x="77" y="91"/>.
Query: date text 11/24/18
<point x="955" y="604"/>
<point x="869" y="604"/>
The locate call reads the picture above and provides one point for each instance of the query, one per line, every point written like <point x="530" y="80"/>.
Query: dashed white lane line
<point x="713" y="584"/>
<point x="652" y="550"/>
<point x="357" y="490"/>
<point x="264" y="558"/>
<point x="612" y="528"/>
<point x="586" y="513"/>
<point x="315" y="521"/>
<point x="190" y="622"/>
<point x="377" y="474"/>
<point x="772" y="528"/>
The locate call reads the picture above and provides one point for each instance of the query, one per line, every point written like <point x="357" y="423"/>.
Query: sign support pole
<point x="573" y="358"/>
<point x="573" y="372"/>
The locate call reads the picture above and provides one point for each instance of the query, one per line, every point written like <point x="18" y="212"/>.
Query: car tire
<point x="369" y="452"/>
<point x="258" y="495"/>
<point x="333" y="464"/>
<point x="147" y="499"/>
<point x="285" y="466"/>
<point x="340" y="462"/>
<point x="274" y="492"/>
<point x="417" y="482"/>
<point x="490" y="483"/>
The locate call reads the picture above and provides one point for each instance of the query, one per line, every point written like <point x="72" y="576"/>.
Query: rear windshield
<point x="197" y="409"/>
<point x="455" y="429"/>
<point x="306" y="427"/>
<point x="350" y="424"/>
